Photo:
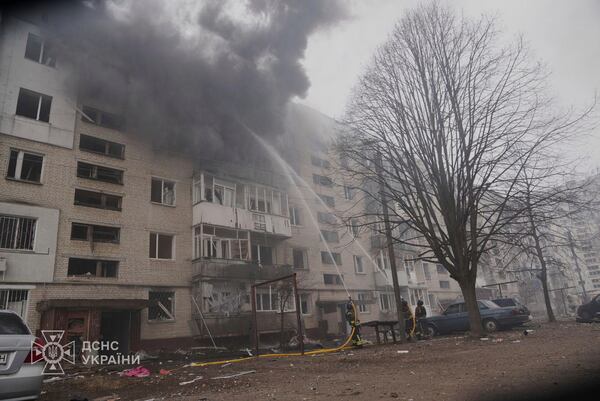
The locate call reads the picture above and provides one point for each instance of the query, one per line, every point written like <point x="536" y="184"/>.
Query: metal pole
<point x="255" y="321"/>
<point x="298" y="312"/>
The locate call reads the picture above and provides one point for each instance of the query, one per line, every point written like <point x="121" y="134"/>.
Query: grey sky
<point x="565" y="34"/>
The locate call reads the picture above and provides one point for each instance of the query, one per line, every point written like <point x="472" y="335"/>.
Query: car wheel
<point x="586" y="315"/>
<point x="490" y="325"/>
<point x="430" y="330"/>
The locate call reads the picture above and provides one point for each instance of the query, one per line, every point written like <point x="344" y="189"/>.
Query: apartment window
<point x="262" y="254"/>
<point x="362" y="302"/>
<point x="266" y="200"/>
<point x="260" y="222"/>
<point x="97" y="199"/>
<point x="354" y="227"/>
<point x="39" y="50"/>
<point x="441" y="269"/>
<point x="300" y="259"/>
<point x="426" y="271"/>
<point x="328" y="200"/>
<point x="92" y="267"/>
<point x="161" y="246"/>
<point x="383" y="260"/>
<point x="330" y="236"/>
<point x="221" y="192"/>
<point x="332" y="279"/>
<point x="348" y="192"/>
<point x="358" y="264"/>
<point x="326" y="218"/>
<point x="322" y="180"/>
<point x="269" y="300"/>
<point x="95" y="233"/>
<point x="34" y="105"/>
<point x="25" y="166"/>
<point x="444" y="284"/>
<point x="162" y="305"/>
<point x="17" y="232"/>
<point x="295" y="216"/>
<point x="101" y="146"/>
<point x="318" y="162"/>
<point x="385" y="302"/>
<point x="221" y="243"/>
<point x="331" y="258"/>
<point x="99" y="173"/>
<point x="163" y="192"/>
<point x="14" y="300"/>
<point x="305" y="304"/>
<point x="102" y="118"/>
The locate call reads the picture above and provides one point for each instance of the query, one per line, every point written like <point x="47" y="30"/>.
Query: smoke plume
<point x="183" y="73"/>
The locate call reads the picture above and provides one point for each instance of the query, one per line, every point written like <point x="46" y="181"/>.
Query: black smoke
<point x="185" y="82"/>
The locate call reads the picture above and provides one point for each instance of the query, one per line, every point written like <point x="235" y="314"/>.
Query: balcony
<point x="381" y="280"/>
<point x="218" y="269"/>
<point x="242" y="219"/>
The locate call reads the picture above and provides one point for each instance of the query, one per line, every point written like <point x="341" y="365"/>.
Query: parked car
<point x="504" y="302"/>
<point x="589" y="311"/>
<point x="493" y="317"/>
<point x="19" y="379"/>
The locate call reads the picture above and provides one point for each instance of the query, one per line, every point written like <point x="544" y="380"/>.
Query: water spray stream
<point x="289" y="172"/>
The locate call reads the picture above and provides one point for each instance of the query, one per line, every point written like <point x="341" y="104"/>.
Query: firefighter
<point x="354" y="323"/>
<point x="408" y="318"/>
<point x="420" y="314"/>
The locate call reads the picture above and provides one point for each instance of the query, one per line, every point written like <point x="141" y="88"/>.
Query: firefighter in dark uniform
<point x="420" y="314"/>
<point x="357" y="340"/>
<point x="408" y="318"/>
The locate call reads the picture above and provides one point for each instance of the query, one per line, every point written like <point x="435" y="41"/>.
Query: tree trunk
<point x="468" y="291"/>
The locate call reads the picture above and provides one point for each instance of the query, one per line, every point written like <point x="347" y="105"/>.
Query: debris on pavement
<point x="234" y="375"/>
<point x="526" y="332"/>
<point x="144" y="356"/>
<point x="402" y="351"/>
<point x="484" y="338"/>
<point x="191" y="381"/>
<point x="138" y="371"/>
<point x="164" y="372"/>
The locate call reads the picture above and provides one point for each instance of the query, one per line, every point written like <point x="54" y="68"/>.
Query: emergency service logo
<point x="52" y="352"/>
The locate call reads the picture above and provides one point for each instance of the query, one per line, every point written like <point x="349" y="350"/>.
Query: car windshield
<point x="12" y="324"/>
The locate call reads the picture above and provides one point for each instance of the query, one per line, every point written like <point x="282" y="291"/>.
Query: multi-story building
<point x="104" y="236"/>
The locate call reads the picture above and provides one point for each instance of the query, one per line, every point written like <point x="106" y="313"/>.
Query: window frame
<point x="294" y="212"/>
<point x="157" y="241"/>
<point x="19" y="165"/>
<point x="362" y="266"/>
<point x="17" y="233"/>
<point x="171" y="312"/>
<point x="107" y="144"/>
<point x="40" y="99"/>
<point x="98" y="263"/>
<point x="362" y="297"/>
<point x="90" y="228"/>
<point x="304" y="253"/>
<point x="43" y="46"/>
<point x="103" y="198"/>
<point x="95" y="168"/>
<point x="162" y="192"/>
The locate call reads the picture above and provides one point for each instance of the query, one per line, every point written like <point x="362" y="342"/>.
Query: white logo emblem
<point x="53" y="352"/>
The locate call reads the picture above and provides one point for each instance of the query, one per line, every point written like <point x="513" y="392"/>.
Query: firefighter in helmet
<point x="357" y="340"/>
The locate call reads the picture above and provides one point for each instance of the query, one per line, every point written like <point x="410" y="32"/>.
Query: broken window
<point x="97" y="199"/>
<point x="385" y="302"/>
<point x="328" y="200"/>
<point x="104" y="119"/>
<point x="92" y="267"/>
<point x="25" y="166"/>
<point x="318" y="162"/>
<point x="17" y="232"/>
<point x="100" y="173"/>
<point x="300" y="258"/>
<point x="96" y="233"/>
<point x="358" y="264"/>
<point x="326" y="218"/>
<point x="322" y="180"/>
<point x="34" y="105"/>
<point x="39" y="50"/>
<point x="162" y="191"/>
<point x="268" y="300"/>
<point x="161" y="246"/>
<point x="223" y="193"/>
<point x="221" y="243"/>
<point x="262" y="254"/>
<point x="363" y="297"/>
<point x="162" y="305"/>
<point x="329" y="258"/>
<point x="330" y="236"/>
<point x="332" y="279"/>
<point x="295" y="216"/>
<point x="101" y="146"/>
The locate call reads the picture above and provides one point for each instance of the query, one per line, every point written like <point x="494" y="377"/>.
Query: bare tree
<point x="454" y="115"/>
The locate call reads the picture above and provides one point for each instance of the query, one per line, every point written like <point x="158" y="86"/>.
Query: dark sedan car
<point x="590" y="311"/>
<point x="493" y="317"/>
<point x="504" y="302"/>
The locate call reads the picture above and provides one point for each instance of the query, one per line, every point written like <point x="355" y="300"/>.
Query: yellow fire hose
<point x="314" y="352"/>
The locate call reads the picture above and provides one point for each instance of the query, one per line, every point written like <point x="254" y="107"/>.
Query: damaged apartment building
<point x="104" y="236"/>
